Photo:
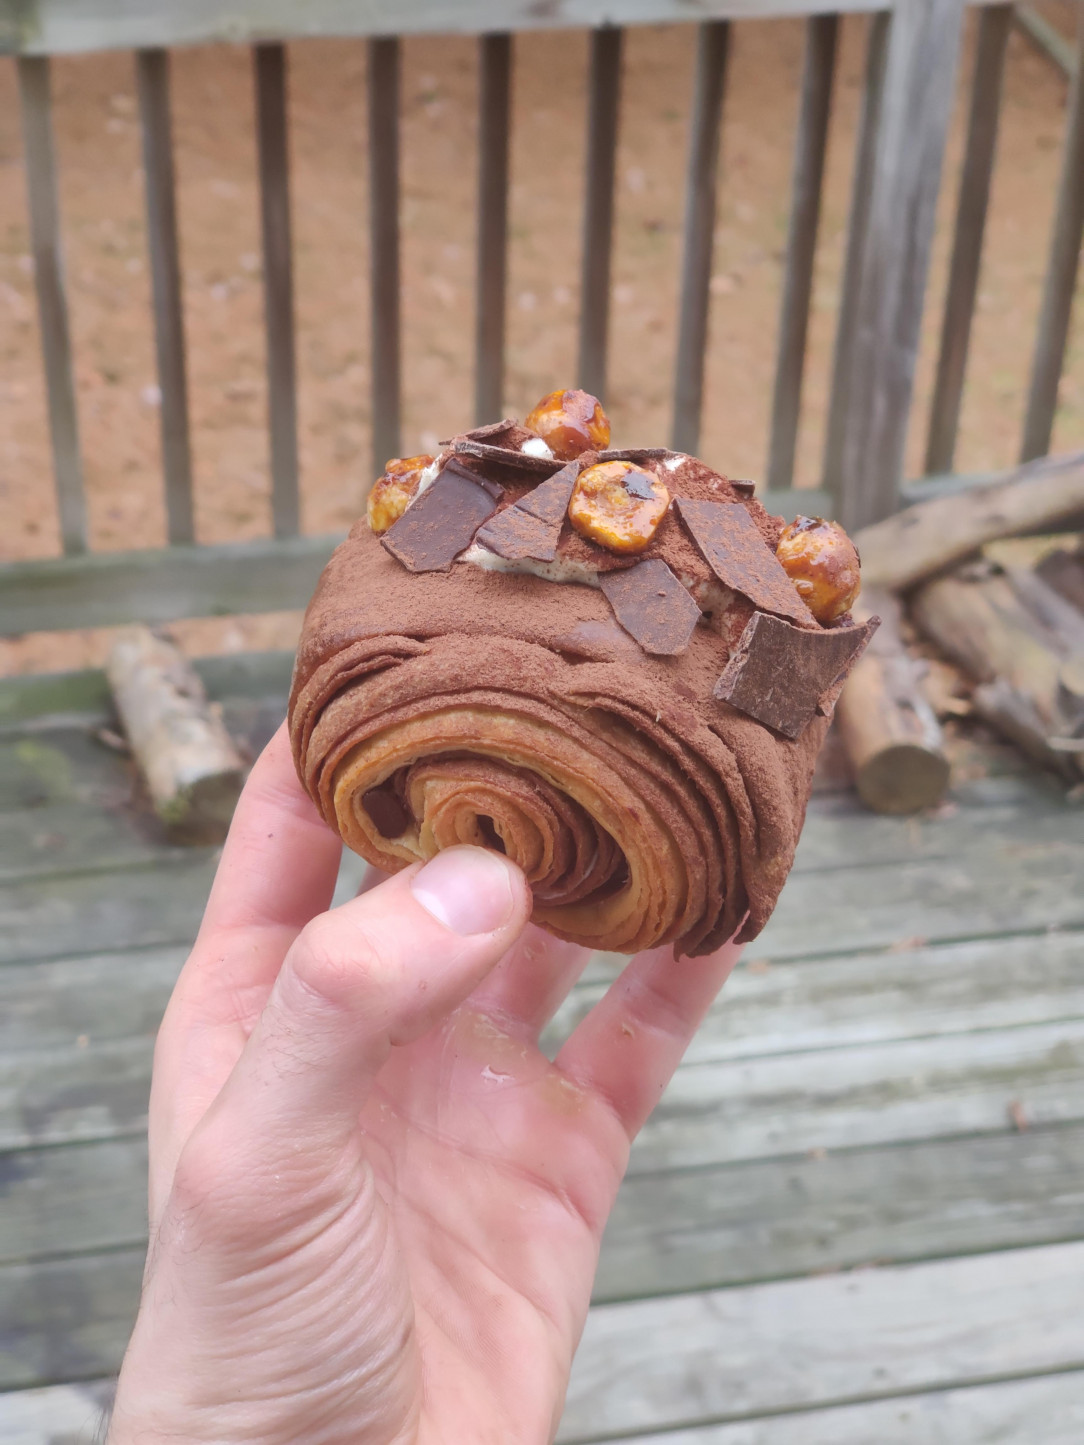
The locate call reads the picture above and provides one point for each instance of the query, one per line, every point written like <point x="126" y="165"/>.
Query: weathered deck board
<point x="847" y="1103"/>
<point x="57" y="1415"/>
<point x="1001" y="1414"/>
<point x="1019" y="887"/>
<point x="874" y="998"/>
<point x="843" y="1098"/>
<point x="713" y="1113"/>
<point x="782" y="1008"/>
<point x="727" y="1225"/>
<point x="724" y="1354"/>
<point x="71" y="791"/>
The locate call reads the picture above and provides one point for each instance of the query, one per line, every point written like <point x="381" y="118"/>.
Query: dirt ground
<point x="102" y="207"/>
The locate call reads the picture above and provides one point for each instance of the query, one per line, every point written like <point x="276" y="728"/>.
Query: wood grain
<point x="45" y="239"/>
<point x="822" y="33"/>
<point x="697" y="1358"/>
<point x="919" y="80"/>
<point x="152" y="73"/>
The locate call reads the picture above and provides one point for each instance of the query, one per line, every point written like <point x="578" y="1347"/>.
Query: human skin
<point x="375" y="1205"/>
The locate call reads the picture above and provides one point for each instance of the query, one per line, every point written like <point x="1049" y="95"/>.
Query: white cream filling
<point x="426" y="480"/>
<point x="561" y="569"/>
<point x="536" y="447"/>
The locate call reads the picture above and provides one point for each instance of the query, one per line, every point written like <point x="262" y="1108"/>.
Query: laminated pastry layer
<point x="495" y="708"/>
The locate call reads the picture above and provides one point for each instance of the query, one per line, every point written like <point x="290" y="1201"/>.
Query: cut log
<point x="192" y="770"/>
<point x="889" y="730"/>
<point x="1064" y="571"/>
<point x="924" y="539"/>
<point x="1029" y="673"/>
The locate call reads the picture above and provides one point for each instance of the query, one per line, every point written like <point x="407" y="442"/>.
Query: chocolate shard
<point x="532" y="528"/>
<point x="508" y="457"/>
<point x="744" y="488"/>
<point x="488" y="433"/>
<point x="779" y="674"/>
<point x="741" y="559"/>
<point x="388" y="811"/>
<point x="652" y="605"/>
<point x="442" y="522"/>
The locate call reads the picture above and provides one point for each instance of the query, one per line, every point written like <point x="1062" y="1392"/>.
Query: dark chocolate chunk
<point x="389" y="813"/>
<point x="487" y="433"/>
<point x="739" y="556"/>
<point x="640" y="484"/>
<point x="652" y="605"/>
<point x="549" y="500"/>
<point x="442" y="522"/>
<point x="744" y="489"/>
<point x="532" y="527"/>
<point x="508" y="457"/>
<point x="779" y="673"/>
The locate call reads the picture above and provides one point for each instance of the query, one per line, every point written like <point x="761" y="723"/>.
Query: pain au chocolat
<point x="592" y="659"/>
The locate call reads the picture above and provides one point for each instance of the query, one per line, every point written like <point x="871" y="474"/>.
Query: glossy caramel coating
<point x="570" y="422"/>
<point x="392" y="493"/>
<point x="822" y="562"/>
<point x="606" y="509"/>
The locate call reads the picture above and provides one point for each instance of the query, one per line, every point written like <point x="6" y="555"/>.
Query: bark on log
<point x="1029" y="673"/>
<point x="889" y="729"/>
<point x="1064" y="571"/>
<point x="192" y="770"/>
<point x="924" y="539"/>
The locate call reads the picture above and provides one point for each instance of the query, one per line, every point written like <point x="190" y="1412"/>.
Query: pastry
<point x="592" y="659"/>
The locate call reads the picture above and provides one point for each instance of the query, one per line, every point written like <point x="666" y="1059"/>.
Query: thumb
<point x="378" y="971"/>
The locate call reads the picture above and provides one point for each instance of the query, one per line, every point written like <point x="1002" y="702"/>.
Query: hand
<point x="375" y="1205"/>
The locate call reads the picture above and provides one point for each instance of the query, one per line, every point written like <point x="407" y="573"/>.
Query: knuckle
<point x="335" y="962"/>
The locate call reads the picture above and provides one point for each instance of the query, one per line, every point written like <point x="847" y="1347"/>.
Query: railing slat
<point x="494" y="129"/>
<point x="56" y="348"/>
<point x="598" y="211"/>
<point x="994" y="25"/>
<point x="822" y="32"/>
<point x="269" y="67"/>
<point x="152" y="75"/>
<point x="861" y="191"/>
<point x="919" y="85"/>
<point x="1060" y="278"/>
<point x="712" y="47"/>
<point x="384" y="246"/>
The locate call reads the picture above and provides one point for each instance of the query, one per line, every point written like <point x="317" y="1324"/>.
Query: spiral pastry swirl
<point x="469" y="706"/>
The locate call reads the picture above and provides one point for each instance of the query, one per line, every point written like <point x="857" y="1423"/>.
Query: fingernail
<point x="469" y="890"/>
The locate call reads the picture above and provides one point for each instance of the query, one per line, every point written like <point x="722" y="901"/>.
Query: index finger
<point x="280" y="860"/>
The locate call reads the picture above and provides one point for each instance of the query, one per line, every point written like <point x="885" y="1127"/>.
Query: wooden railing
<point x="909" y="87"/>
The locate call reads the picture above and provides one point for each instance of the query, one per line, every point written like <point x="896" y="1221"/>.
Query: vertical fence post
<point x="384" y="246"/>
<point x="861" y="190"/>
<point x="699" y="231"/>
<point x="920" y="70"/>
<point x="494" y="112"/>
<point x="994" y="24"/>
<point x="1060" y="277"/>
<point x="598" y="212"/>
<point x="37" y="120"/>
<point x="269" y="64"/>
<point x="152" y="74"/>
<point x="822" y="33"/>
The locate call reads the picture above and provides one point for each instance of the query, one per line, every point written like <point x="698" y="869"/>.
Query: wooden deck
<point x="857" y="1216"/>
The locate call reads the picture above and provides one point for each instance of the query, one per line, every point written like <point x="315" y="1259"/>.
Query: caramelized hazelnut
<point x="570" y="422"/>
<point x="392" y="493"/>
<point x="822" y="562"/>
<point x="618" y="505"/>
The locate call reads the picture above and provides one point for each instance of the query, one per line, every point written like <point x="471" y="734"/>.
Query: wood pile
<point x="978" y="577"/>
